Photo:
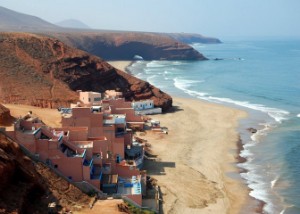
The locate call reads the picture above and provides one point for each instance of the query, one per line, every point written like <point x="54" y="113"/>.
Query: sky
<point x="216" y="18"/>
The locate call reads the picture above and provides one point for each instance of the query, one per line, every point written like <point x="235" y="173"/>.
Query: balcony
<point x="131" y="186"/>
<point x="134" y="155"/>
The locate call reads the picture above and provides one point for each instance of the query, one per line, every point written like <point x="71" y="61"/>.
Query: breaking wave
<point x="277" y="114"/>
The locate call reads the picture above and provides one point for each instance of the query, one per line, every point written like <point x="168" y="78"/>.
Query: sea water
<point x="263" y="78"/>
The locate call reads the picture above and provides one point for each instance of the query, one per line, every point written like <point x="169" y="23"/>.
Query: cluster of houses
<point x="95" y="143"/>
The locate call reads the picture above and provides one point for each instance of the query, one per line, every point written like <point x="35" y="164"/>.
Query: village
<point x="96" y="148"/>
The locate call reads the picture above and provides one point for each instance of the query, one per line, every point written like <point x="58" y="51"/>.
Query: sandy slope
<point x="50" y="117"/>
<point x="120" y="64"/>
<point x="195" y="156"/>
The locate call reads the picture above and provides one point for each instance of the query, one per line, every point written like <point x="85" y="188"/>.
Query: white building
<point x="143" y="107"/>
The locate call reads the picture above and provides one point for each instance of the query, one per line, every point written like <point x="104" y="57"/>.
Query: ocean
<point x="261" y="77"/>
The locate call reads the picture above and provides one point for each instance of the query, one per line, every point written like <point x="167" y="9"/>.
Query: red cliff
<point x="43" y="71"/>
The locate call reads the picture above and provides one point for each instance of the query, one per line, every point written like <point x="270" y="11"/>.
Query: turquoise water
<point x="263" y="78"/>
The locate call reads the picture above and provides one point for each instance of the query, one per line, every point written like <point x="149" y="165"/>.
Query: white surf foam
<point x="282" y="212"/>
<point x="298" y="115"/>
<point x="138" y="75"/>
<point x="260" y="188"/>
<point x="177" y="63"/>
<point x="261" y="132"/>
<point x="155" y="64"/>
<point x="151" y="78"/>
<point x="197" y="45"/>
<point x="184" y="84"/>
<point x="273" y="182"/>
<point x="246" y="154"/>
<point x="136" y="63"/>
<point x="277" y="114"/>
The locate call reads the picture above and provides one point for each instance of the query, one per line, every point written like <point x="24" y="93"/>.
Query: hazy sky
<point x="218" y="18"/>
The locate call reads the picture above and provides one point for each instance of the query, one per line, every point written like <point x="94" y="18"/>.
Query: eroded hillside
<point x="43" y="71"/>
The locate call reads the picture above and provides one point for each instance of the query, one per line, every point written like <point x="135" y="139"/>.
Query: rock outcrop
<point x="27" y="187"/>
<point x="125" y="45"/>
<point x="5" y="117"/>
<point x="43" y="71"/>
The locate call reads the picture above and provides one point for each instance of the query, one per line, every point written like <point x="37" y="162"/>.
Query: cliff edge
<point x="125" y="45"/>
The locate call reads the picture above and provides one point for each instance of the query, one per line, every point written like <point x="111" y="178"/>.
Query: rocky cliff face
<point x="45" y="72"/>
<point x="125" y="45"/>
<point x="27" y="187"/>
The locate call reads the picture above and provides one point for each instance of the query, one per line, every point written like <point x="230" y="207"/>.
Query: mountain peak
<point x="15" y="21"/>
<point x="73" y="23"/>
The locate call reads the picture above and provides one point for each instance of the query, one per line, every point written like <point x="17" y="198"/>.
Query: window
<point x="55" y="166"/>
<point x="89" y="99"/>
<point x="97" y="99"/>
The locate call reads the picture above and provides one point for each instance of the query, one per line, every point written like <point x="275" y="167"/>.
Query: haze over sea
<point x="261" y="77"/>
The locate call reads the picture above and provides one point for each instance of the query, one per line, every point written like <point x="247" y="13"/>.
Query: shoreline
<point x="204" y="156"/>
<point x="254" y="204"/>
<point x="251" y="204"/>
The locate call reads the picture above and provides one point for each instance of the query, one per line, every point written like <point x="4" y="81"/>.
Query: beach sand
<point x="196" y="160"/>
<point x="121" y="65"/>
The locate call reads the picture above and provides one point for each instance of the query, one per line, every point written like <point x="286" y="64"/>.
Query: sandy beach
<point x="196" y="162"/>
<point x="121" y="65"/>
<point x="196" y="157"/>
